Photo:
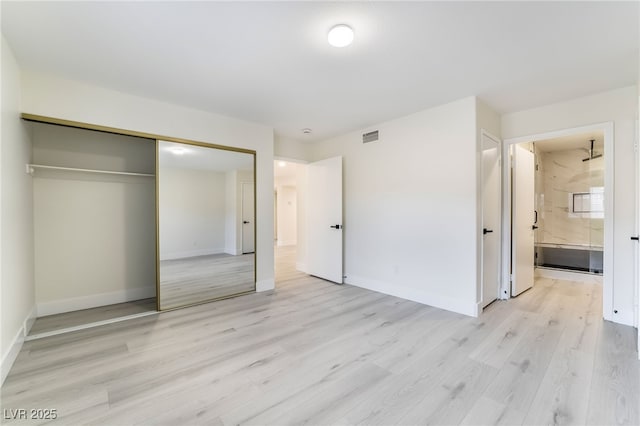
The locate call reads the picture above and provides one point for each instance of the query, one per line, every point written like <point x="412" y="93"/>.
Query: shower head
<point x="591" y="156"/>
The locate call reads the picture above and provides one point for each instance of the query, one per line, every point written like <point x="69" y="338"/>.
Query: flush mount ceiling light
<point x="282" y="164"/>
<point x="340" y="36"/>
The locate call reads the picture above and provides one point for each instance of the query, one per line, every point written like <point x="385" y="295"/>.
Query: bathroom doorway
<point x="569" y="203"/>
<point x="558" y="209"/>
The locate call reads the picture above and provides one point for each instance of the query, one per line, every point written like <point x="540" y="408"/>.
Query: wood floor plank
<point x="502" y="341"/>
<point x="519" y="379"/>
<point x="312" y="352"/>
<point x="487" y="411"/>
<point x="615" y="389"/>
<point x="563" y="395"/>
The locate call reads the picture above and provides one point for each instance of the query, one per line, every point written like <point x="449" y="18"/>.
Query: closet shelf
<point x="31" y="168"/>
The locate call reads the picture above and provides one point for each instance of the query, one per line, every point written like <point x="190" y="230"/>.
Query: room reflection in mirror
<point x="206" y="226"/>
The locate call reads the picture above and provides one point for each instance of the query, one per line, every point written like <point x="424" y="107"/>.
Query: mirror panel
<point x="206" y="226"/>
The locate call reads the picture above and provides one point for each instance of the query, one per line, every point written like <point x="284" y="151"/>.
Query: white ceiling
<point x="582" y="140"/>
<point x="202" y="158"/>
<point x="270" y="63"/>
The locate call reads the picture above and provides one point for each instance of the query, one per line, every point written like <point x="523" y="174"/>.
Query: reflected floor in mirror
<point x="52" y="323"/>
<point x="197" y="279"/>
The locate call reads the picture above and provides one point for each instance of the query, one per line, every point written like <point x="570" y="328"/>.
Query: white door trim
<point x="607" y="129"/>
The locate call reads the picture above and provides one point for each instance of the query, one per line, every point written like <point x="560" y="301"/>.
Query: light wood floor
<point x="87" y="316"/>
<point x="196" y="279"/>
<point x="318" y="353"/>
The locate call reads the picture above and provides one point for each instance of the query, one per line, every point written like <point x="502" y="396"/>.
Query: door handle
<point x="635" y="238"/>
<point x="534" y="227"/>
<point x="536" y="218"/>
<point x="336" y="227"/>
<point x="486" y="231"/>
<point x="245" y="221"/>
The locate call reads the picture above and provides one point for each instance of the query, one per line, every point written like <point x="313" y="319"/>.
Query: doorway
<point x="558" y="209"/>
<point x="289" y="221"/>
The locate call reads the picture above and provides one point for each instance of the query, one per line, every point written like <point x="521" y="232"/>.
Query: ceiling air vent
<point x="370" y="137"/>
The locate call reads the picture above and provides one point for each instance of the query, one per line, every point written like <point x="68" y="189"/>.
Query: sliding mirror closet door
<point x="204" y="252"/>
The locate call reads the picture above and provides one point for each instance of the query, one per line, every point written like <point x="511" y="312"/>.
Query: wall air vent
<point x="370" y="137"/>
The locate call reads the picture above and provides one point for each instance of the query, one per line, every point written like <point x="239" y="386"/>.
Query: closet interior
<point x="94" y="213"/>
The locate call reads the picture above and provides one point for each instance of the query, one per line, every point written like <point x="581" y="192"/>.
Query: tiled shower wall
<point x="559" y="174"/>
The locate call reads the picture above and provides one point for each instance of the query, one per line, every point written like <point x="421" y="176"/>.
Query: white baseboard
<point x="568" y="275"/>
<point x="10" y="356"/>
<point x="190" y="253"/>
<point x="287" y="243"/>
<point x="94" y="300"/>
<point x="443" y="302"/>
<point x="265" y="285"/>
<point x="30" y="320"/>
<point x="302" y="267"/>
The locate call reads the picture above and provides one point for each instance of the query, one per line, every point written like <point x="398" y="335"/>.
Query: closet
<point x="127" y="224"/>
<point x="94" y="220"/>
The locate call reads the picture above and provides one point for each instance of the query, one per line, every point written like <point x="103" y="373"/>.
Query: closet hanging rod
<point x="32" y="167"/>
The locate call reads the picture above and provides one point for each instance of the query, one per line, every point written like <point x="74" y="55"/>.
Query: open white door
<point x="324" y="219"/>
<point x="523" y="220"/>
<point x="636" y="237"/>
<point x="248" y="219"/>
<point x="491" y="193"/>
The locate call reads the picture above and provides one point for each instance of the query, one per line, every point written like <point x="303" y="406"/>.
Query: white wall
<point x="621" y="107"/>
<point x="287" y="215"/>
<point x="50" y="96"/>
<point x="17" y="290"/>
<point x="192" y="212"/>
<point x="410" y="206"/>
<point x="290" y="149"/>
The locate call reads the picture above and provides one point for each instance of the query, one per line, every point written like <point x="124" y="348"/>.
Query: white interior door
<point x="491" y="193"/>
<point x="248" y="218"/>
<point x="637" y="237"/>
<point x="324" y="219"/>
<point x="523" y="218"/>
